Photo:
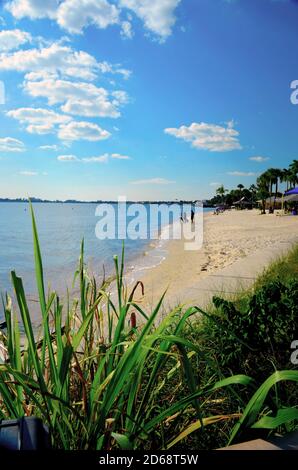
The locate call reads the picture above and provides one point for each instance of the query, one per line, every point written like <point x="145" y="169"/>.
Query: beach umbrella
<point x="292" y="191"/>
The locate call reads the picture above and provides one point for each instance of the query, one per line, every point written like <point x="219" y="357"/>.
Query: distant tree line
<point x="267" y="186"/>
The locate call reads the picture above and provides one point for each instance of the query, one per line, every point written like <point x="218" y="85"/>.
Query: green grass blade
<point x="255" y="404"/>
<point x="23" y="307"/>
<point x="283" y="416"/>
<point x="198" y="425"/>
<point x="82" y="281"/>
<point x="122" y="440"/>
<point x="42" y="300"/>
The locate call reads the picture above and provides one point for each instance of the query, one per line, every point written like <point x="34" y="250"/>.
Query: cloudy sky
<point x="145" y="98"/>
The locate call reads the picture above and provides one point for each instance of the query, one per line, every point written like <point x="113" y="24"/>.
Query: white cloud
<point x="153" y="181"/>
<point x="43" y="121"/>
<point x="210" y="137"/>
<point x="241" y="173"/>
<point x="259" y="159"/>
<point x="33" y="8"/>
<point x="101" y="159"/>
<point x="75" y="15"/>
<point x="106" y="67"/>
<point x="40" y="75"/>
<point x="38" y="120"/>
<point x="13" y="38"/>
<point x="158" y="15"/>
<point x="118" y="156"/>
<point x="28" y="173"/>
<point x="67" y="158"/>
<point x="71" y="15"/>
<point x="101" y="107"/>
<point x="9" y="144"/>
<point x="57" y="59"/>
<point x="54" y="59"/>
<point x="78" y="98"/>
<point x="82" y="131"/>
<point x="214" y="183"/>
<point x="49" y="147"/>
<point x="126" y="30"/>
<point x="120" y="97"/>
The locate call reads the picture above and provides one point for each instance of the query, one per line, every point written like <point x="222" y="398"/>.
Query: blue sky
<point x="152" y="99"/>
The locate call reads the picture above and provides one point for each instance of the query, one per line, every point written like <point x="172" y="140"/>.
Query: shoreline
<point x="156" y="249"/>
<point x="229" y="238"/>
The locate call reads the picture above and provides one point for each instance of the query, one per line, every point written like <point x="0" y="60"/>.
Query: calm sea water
<point x="61" y="228"/>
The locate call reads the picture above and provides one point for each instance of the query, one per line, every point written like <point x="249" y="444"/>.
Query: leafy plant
<point x="263" y="326"/>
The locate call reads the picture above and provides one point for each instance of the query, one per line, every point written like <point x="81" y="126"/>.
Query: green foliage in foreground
<point x="262" y="327"/>
<point x="253" y="334"/>
<point x="100" y="382"/>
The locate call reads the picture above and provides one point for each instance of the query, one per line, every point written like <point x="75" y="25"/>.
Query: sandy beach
<point x="228" y="238"/>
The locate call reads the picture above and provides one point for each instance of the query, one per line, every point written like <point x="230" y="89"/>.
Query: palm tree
<point x="294" y="170"/>
<point x="263" y="181"/>
<point x="271" y="180"/>
<point x="253" y="189"/>
<point x="286" y="177"/>
<point x="263" y="190"/>
<point x="240" y="187"/>
<point x="263" y="194"/>
<point x="271" y="176"/>
<point x="277" y="175"/>
<point x="292" y="179"/>
<point x="221" y="192"/>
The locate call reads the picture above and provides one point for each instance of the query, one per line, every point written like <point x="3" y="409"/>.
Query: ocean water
<point x="61" y="228"/>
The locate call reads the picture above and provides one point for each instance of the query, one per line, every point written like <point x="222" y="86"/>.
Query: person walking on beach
<point x="181" y="217"/>
<point x="192" y="216"/>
